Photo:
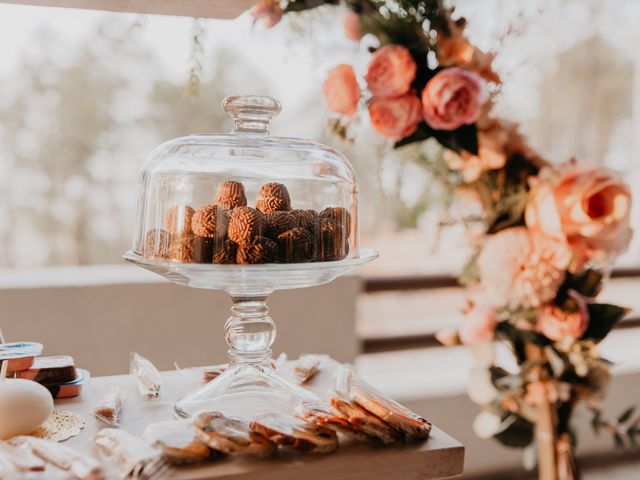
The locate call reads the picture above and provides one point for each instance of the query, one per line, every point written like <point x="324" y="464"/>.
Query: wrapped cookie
<point x="412" y="425"/>
<point x="231" y="435"/>
<point x="320" y="414"/>
<point x="292" y="432"/>
<point x="61" y="456"/>
<point x="109" y="407"/>
<point x="146" y="375"/>
<point x="178" y="441"/>
<point x="132" y="455"/>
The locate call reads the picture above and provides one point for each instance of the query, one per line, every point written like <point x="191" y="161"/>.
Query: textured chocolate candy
<point x="156" y="244"/>
<point x="226" y="253"/>
<point x="230" y="195"/>
<point x="273" y="197"/>
<point x="262" y="250"/>
<point x="296" y="246"/>
<point x="210" y="221"/>
<point x="339" y="215"/>
<point x="279" y="222"/>
<point x="331" y="242"/>
<point x="305" y="218"/>
<point x="245" y="225"/>
<point x="181" y="248"/>
<point x="178" y="219"/>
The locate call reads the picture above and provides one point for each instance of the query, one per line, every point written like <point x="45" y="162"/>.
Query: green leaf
<point x="602" y="318"/>
<point x="619" y="442"/>
<point x="502" y="379"/>
<point x="517" y="435"/>
<point x="596" y="421"/>
<point x="586" y="283"/>
<point x="463" y="138"/>
<point x="627" y="414"/>
<point x="423" y="132"/>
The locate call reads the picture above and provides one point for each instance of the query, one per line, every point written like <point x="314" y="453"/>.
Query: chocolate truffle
<point x="225" y="253"/>
<point x="245" y="225"/>
<point x="279" y="222"/>
<point x="331" y="242"/>
<point x="340" y="215"/>
<point x="262" y="250"/>
<point x="156" y="244"/>
<point x="305" y="218"/>
<point x="178" y="219"/>
<point x="210" y="221"/>
<point x="273" y="197"/>
<point x="296" y="246"/>
<point x="181" y="248"/>
<point x="230" y="195"/>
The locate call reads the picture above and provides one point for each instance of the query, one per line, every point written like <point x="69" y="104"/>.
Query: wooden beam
<point x="225" y="9"/>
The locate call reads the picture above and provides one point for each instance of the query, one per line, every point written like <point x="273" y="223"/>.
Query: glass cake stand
<point x="250" y="386"/>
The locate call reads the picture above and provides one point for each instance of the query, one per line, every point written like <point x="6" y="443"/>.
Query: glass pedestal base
<point x="244" y="390"/>
<point x="250" y="386"/>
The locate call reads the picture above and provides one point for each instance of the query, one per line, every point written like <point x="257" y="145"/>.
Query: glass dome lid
<point x="246" y="198"/>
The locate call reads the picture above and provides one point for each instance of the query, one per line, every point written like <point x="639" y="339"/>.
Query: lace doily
<point x="60" y="426"/>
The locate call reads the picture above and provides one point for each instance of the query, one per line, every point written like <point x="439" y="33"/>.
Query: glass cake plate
<point x="248" y="213"/>
<point x="250" y="386"/>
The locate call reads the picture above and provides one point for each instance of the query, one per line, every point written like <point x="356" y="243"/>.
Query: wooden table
<point x="439" y="457"/>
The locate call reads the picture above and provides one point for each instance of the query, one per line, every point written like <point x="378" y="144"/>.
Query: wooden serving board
<point x="440" y="456"/>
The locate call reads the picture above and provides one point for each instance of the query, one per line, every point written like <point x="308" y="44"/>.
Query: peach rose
<point x="515" y="271"/>
<point x="351" y="24"/>
<point x="341" y="91"/>
<point x="479" y="325"/>
<point x="395" y="118"/>
<point x="267" y="10"/>
<point x="556" y="324"/>
<point x="586" y="207"/>
<point x="453" y="98"/>
<point x="391" y="71"/>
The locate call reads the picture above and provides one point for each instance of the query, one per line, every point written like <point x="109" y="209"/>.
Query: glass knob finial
<point x="251" y="113"/>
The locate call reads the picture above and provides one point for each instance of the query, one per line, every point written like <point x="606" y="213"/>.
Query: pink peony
<point x="341" y="91"/>
<point x="479" y="325"/>
<point x="586" y="207"/>
<point x="395" y="118"/>
<point x="517" y="272"/>
<point x="267" y="10"/>
<point x="556" y="324"/>
<point x="391" y="71"/>
<point x="453" y="98"/>
<point x="351" y="24"/>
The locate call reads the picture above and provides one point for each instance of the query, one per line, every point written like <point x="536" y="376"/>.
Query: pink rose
<point x="341" y="91"/>
<point x="479" y="325"/>
<point x="556" y="324"/>
<point x="391" y="71"/>
<point x="588" y="207"/>
<point x="395" y="118"/>
<point x="267" y="10"/>
<point x="453" y="98"/>
<point x="351" y="24"/>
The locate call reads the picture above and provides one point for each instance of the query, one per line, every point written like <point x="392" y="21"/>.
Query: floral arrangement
<point x="548" y="230"/>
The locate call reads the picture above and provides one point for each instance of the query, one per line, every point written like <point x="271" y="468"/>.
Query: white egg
<point x="24" y="406"/>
